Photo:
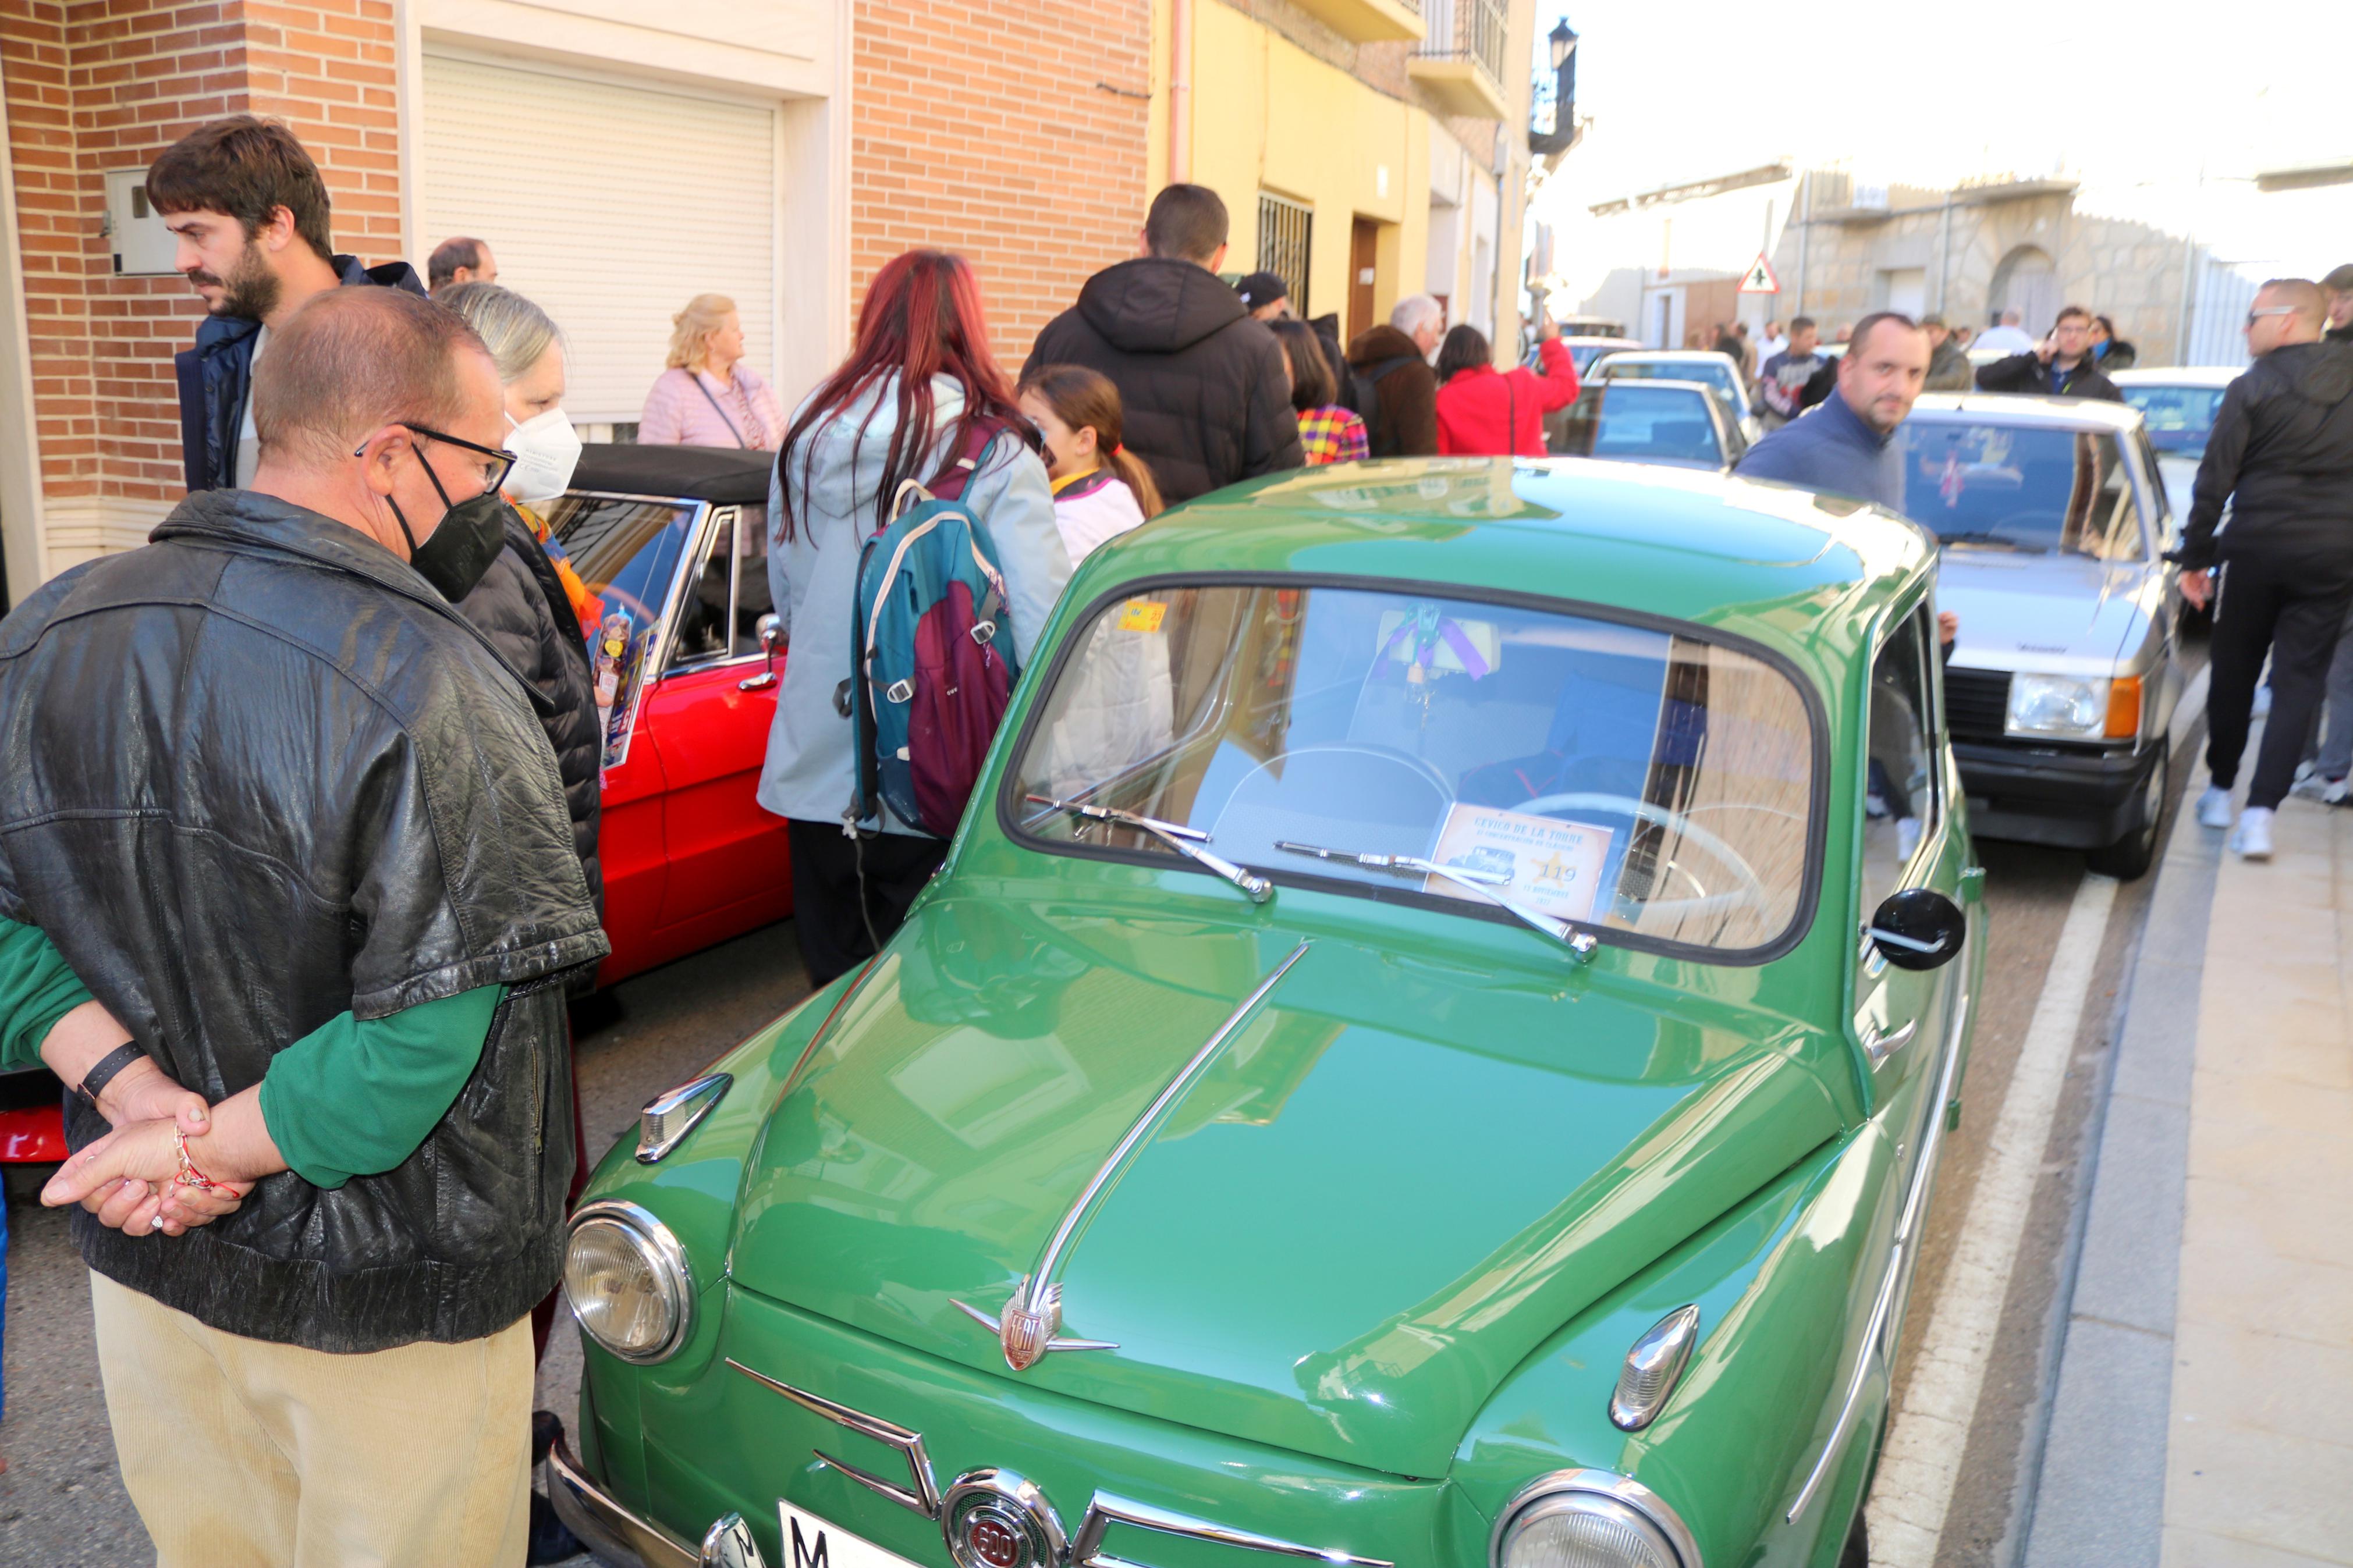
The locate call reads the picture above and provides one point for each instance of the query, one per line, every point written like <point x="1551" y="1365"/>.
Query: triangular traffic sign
<point x="1759" y="278"/>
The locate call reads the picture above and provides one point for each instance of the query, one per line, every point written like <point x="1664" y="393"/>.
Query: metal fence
<point x="1283" y="230"/>
<point x="1466" y="30"/>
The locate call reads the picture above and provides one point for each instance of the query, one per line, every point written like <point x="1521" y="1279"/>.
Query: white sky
<point x="2132" y="99"/>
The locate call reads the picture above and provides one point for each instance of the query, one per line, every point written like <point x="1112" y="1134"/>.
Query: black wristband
<point x="93" y="1082"/>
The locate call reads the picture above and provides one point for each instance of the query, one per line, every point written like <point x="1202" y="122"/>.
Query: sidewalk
<point x="2204" y="1412"/>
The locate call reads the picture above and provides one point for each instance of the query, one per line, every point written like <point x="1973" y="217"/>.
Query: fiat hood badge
<point x="1028" y="1329"/>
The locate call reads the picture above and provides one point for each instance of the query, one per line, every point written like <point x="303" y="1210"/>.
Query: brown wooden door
<point x="1364" y="252"/>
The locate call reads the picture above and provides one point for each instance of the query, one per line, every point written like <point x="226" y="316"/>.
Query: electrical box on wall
<point x="135" y="231"/>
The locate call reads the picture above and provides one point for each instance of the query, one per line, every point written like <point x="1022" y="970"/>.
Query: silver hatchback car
<point x="2053" y="520"/>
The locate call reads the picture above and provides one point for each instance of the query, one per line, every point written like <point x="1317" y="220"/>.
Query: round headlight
<point x="1592" y="1519"/>
<point x="625" y="1277"/>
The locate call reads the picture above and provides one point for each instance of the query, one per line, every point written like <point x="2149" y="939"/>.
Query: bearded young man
<point x="250" y="211"/>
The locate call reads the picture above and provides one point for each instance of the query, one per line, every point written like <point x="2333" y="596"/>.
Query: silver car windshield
<point x="2178" y="418"/>
<point x="1628" y="421"/>
<point x="1624" y="778"/>
<point x="2023" y="489"/>
<point x="1706" y="371"/>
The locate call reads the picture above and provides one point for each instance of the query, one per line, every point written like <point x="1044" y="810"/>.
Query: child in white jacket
<point x="1117" y="713"/>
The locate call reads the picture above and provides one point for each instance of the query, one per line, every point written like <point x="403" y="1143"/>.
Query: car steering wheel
<point x="1752" y="889"/>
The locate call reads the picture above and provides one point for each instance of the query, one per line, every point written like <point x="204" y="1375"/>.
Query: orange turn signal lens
<point x="2124" y="708"/>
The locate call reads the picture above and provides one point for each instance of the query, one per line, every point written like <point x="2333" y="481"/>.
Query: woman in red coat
<point x="1486" y="413"/>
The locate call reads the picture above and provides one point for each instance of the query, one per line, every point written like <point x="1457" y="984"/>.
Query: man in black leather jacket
<point x="296" y="824"/>
<point x="2281" y="456"/>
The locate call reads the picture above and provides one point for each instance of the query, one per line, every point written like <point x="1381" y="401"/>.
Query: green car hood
<point x="1392" y="1182"/>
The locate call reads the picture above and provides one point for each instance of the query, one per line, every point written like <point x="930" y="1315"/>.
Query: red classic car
<point x="673" y="541"/>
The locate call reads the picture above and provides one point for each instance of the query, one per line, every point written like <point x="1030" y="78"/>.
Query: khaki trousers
<point x="243" y="1453"/>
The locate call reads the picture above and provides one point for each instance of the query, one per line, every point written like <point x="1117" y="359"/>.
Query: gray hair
<point x="515" y="331"/>
<point x="1415" y="311"/>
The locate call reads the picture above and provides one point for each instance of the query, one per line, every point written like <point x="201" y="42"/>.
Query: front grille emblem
<point x="1026" y="1330"/>
<point x="995" y="1518"/>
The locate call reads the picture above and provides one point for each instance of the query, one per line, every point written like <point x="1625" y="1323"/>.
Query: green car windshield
<point x="1631" y="779"/>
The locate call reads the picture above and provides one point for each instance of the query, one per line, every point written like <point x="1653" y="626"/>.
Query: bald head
<point x="352" y="361"/>
<point x="2286" y="310"/>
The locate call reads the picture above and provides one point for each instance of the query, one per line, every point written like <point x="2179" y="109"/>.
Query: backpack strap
<point x="965" y="460"/>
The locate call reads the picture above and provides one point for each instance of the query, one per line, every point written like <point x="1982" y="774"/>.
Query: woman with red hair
<point x="920" y="374"/>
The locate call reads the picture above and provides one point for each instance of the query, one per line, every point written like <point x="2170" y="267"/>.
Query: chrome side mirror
<point x="771" y="636"/>
<point x="1918" y="928"/>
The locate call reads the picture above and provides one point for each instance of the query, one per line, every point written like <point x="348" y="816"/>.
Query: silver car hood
<point x="2065" y="614"/>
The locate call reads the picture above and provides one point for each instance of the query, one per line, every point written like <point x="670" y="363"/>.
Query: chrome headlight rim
<point x="2096" y="687"/>
<point x="1622" y="1489"/>
<point x="670" y="1268"/>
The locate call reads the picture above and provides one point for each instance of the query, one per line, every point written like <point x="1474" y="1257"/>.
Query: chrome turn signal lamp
<point x="1652" y="1369"/>
<point x="672" y="1115"/>
<point x="1591" y="1519"/>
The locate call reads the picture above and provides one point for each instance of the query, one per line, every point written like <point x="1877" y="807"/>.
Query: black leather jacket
<point x="2280" y="456"/>
<point x="253" y="776"/>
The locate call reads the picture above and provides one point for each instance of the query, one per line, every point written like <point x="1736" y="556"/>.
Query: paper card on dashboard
<point x="1555" y="866"/>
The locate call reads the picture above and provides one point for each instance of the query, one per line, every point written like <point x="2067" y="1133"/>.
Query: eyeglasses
<point x="2254" y="316"/>
<point x="502" y="461"/>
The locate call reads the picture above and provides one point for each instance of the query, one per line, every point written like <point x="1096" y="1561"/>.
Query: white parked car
<point x="2177" y="406"/>
<point x="2054" y="523"/>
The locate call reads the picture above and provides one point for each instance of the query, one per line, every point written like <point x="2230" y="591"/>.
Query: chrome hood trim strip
<point x="1027" y="1325"/>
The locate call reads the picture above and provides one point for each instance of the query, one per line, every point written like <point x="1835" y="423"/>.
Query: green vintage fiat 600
<point x="1430" y="1048"/>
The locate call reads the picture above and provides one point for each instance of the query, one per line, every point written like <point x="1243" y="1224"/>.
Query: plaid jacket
<point x="1331" y="435"/>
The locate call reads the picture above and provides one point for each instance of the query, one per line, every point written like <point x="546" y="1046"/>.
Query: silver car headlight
<point x="2065" y="706"/>
<point x="1591" y="1519"/>
<point x="627" y="1279"/>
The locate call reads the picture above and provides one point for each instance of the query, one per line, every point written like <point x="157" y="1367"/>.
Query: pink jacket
<point x="677" y="414"/>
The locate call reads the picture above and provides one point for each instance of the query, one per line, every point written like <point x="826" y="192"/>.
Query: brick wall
<point x="99" y="85"/>
<point x="1005" y="133"/>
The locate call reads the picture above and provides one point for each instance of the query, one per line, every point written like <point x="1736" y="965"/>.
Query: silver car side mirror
<point x="771" y="631"/>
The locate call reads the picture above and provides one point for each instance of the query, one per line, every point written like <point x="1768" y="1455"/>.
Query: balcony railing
<point x="1461" y="59"/>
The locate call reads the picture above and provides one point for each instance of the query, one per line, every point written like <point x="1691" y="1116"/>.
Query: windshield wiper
<point x="1186" y="841"/>
<point x="1483" y="883"/>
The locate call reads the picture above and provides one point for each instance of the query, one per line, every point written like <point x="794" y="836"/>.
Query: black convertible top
<point x="725" y="476"/>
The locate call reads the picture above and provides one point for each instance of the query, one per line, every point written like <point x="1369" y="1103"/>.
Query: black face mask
<point x="472" y="535"/>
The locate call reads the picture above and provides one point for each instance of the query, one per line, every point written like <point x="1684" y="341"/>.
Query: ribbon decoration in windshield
<point x="1429" y="626"/>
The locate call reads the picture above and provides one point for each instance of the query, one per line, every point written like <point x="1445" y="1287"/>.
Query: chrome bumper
<point x="616" y="1536"/>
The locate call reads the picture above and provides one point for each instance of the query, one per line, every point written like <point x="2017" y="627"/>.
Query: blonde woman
<point x="708" y="396"/>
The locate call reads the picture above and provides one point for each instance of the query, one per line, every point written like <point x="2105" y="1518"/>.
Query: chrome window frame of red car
<point x="698" y="540"/>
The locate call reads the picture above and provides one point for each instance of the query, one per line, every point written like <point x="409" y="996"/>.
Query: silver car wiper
<point x="1483" y="883"/>
<point x="1186" y="841"/>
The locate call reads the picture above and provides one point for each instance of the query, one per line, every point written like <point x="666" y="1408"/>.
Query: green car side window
<point x="1638" y="779"/>
<point x="1900" y="806"/>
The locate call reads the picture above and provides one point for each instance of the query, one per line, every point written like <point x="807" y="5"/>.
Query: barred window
<point x="1283" y="227"/>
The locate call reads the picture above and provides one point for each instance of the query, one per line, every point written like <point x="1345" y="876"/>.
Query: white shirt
<point x="2009" y="340"/>
<point x="1770" y="347"/>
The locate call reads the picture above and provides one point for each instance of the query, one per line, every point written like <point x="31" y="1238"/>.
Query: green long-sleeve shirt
<point x="352" y="1098"/>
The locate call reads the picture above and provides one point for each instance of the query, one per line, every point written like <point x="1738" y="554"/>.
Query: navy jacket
<point x="217" y="378"/>
<point x="1831" y="450"/>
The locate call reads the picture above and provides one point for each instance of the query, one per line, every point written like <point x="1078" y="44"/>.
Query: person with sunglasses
<point x="2281" y="459"/>
<point x="297" y="829"/>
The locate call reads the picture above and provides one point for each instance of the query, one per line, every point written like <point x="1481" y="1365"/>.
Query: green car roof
<point x="1804" y="574"/>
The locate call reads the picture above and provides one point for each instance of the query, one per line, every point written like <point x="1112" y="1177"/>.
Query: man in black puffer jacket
<point x="1202" y="385"/>
<point x="2281" y="454"/>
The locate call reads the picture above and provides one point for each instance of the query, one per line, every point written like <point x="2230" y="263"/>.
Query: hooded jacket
<point x="1403" y="419"/>
<point x="520" y="606"/>
<point x="2281" y="454"/>
<point x="2028" y="374"/>
<point x="832" y="476"/>
<point x="255" y="776"/>
<point x="1202" y="387"/>
<point x="215" y="378"/>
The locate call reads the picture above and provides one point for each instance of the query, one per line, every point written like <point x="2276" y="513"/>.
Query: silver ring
<point x="156" y="1223"/>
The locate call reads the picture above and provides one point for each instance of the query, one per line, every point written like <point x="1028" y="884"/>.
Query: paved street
<point x="2063" y="944"/>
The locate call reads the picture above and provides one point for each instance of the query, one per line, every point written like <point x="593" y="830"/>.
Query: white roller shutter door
<point x="609" y="205"/>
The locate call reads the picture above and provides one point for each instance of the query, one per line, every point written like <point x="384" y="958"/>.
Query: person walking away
<point x="1200" y="382"/>
<point x="459" y="261"/>
<point x="2111" y="352"/>
<point x="532" y="606"/>
<point x="1393" y="387"/>
<point x="1847" y="445"/>
<point x="918" y="376"/>
<point x="2339" y="286"/>
<point x="706" y="396"/>
<point x="1781" y="385"/>
<point x="2280" y="456"/>
<point x="2009" y="337"/>
<point x="1328" y="433"/>
<point x="335" y="884"/>
<point x="1949" y="367"/>
<point x="250" y="213"/>
<point x="1484" y="412"/>
<point x="1101" y="489"/>
<point x="2061" y="365"/>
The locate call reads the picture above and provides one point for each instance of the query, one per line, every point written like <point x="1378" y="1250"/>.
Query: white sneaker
<point x="2214" y="807"/>
<point x="2333" y="790"/>
<point x="2306" y="769"/>
<point x="2254" y="839"/>
<point x="2319" y="787"/>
